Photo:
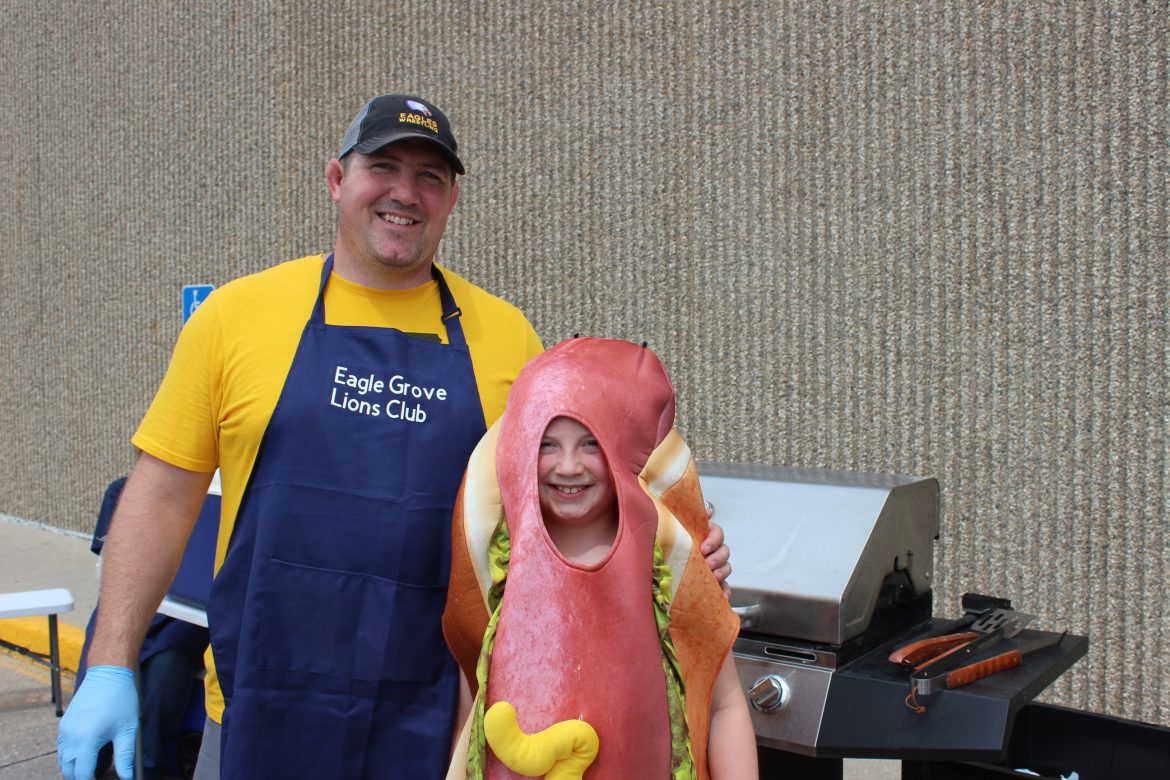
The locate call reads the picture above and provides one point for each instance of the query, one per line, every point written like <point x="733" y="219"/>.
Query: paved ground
<point x="33" y="557"/>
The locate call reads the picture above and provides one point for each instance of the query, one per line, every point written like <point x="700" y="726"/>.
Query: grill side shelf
<point x="866" y="716"/>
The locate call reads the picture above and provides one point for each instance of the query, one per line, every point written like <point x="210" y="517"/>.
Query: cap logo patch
<point x="415" y="119"/>
<point x="418" y="107"/>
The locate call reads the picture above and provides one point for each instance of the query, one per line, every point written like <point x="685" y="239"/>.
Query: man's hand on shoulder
<point x="717" y="553"/>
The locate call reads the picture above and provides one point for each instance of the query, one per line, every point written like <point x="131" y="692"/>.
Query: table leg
<point x="55" y="663"/>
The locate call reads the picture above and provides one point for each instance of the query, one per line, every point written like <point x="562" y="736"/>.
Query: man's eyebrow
<point x="428" y="156"/>
<point x="434" y="162"/>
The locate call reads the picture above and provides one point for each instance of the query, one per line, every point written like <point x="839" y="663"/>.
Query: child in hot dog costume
<point x="594" y="640"/>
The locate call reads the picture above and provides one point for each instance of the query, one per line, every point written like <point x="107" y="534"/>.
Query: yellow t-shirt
<point x="233" y="355"/>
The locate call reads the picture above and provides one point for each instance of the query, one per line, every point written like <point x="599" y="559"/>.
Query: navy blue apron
<point x="325" y="616"/>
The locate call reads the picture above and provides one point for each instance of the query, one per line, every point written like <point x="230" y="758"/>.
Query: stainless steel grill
<point x="832" y="571"/>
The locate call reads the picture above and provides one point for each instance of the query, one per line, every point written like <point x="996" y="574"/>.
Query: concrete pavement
<point x="35" y="556"/>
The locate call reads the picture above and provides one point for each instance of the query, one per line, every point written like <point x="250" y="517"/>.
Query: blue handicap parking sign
<point x="193" y="295"/>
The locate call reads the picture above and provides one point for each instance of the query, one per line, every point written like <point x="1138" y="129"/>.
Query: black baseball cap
<point x="390" y="118"/>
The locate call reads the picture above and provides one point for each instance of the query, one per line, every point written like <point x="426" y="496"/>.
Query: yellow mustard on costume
<point x="561" y="641"/>
<point x="231" y="359"/>
<point x="562" y="751"/>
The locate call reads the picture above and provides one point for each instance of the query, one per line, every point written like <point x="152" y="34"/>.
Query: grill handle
<point x="748" y="616"/>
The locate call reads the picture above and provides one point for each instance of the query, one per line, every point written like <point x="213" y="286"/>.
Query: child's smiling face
<point x="575" y="486"/>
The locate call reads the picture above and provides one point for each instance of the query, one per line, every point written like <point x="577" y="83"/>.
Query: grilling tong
<point x="942" y="661"/>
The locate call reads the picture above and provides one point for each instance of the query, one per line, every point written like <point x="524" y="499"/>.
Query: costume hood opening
<point x="618" y="390"/>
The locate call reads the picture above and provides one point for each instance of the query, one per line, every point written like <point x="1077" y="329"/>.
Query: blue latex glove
<point x="104" y="709"/>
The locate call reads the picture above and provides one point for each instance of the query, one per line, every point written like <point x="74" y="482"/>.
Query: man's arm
<point x="148" y="534"/>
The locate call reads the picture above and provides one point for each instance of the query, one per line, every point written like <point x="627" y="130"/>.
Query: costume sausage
<point x="631" y="645"/>
<point x="563" y="751"/>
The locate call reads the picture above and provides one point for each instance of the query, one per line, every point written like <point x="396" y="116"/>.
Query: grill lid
<point x="811" y="548"/>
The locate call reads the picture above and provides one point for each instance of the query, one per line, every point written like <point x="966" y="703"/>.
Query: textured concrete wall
<point x="916" y="237"/>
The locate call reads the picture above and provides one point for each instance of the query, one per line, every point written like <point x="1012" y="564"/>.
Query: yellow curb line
<point x="25" y="667"/>
<point x="33" y="633"/>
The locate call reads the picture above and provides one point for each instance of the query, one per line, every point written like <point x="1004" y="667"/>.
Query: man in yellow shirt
<point x="340" y="396"/>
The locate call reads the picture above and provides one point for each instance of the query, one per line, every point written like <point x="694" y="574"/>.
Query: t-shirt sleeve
<point x="532" y="346"/>
<point x="181" y="424"/>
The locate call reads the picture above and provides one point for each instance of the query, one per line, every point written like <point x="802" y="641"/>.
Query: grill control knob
<point x="769" y="693"/>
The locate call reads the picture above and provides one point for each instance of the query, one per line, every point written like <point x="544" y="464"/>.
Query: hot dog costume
<point x="631" y="645"/>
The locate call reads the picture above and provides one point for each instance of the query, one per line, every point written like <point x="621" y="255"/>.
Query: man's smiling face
<point x="392" y="209"/>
